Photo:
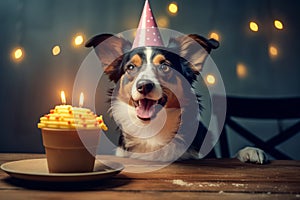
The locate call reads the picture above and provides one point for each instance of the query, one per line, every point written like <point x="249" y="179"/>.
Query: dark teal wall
<point x="30" y="88"/>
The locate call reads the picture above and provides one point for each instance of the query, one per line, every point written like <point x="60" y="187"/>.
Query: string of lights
<point x="18" y="52"/>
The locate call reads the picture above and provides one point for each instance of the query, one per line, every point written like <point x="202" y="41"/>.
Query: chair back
<point x="261" y="109"/>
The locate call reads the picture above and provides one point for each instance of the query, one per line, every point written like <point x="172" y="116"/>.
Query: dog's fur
<point x="151" y="101"/>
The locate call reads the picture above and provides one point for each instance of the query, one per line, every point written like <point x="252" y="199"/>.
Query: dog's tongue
<point x="145" y="109"/>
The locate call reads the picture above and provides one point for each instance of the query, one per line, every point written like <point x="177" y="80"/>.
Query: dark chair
<point x="260" y="108"/>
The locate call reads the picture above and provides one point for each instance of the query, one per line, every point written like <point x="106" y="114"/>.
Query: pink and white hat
<point x="147" y="33"/>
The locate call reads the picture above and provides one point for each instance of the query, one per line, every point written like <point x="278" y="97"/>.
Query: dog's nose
<point x="144" y="86"/>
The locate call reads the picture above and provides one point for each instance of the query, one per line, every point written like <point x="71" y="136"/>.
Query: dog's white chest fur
<point x="149" y="141"/>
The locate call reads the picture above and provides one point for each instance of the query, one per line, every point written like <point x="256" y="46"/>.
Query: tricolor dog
<point x="149" y="85"/>
<point x="153" y="101"/>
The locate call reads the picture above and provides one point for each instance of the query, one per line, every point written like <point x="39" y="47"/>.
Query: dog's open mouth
<point x="147" y="108"/>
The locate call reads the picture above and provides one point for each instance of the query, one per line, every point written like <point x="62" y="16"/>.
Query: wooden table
<point x="197" y="179"/>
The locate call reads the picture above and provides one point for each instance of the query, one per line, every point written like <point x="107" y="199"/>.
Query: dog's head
<point x="149" y="78"/>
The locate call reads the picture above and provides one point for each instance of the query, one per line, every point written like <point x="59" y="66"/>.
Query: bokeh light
<point x="78" y="39"/>
<point x="273" y="51"/>
<point x="173" y="8"/>
<point x="253" y="26"/>
<point x="215" y="36"/>
<point x="278" y="24"/>
<point x="56" y="50"/>
<point x="163" y="22"/>
<point x="210" y="79"/>
<point x="17" y="54"/>
<point x="241" y="70"/>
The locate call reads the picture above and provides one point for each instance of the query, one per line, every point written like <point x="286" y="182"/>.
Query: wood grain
<point x="196" y="179"/>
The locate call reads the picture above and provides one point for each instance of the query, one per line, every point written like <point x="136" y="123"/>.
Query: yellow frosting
<point x="68" y="117"/>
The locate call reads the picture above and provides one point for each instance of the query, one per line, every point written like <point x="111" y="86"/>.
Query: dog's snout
<point x="144" y="86"/>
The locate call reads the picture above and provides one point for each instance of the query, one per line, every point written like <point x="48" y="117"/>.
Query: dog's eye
<point x="165" y="67"/>
<point x="130" y="67"/>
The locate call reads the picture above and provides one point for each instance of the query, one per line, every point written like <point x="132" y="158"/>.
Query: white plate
<point x="37" y="170"/>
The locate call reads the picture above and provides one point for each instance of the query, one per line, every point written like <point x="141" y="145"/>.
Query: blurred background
<point x="42" y="47"/>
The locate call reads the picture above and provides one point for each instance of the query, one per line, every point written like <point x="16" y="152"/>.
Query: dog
<point x="153" y="98"/>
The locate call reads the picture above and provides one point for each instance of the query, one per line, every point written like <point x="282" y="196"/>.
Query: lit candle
<point x="81" y="99"/>
<point x="63" y="97"/>
<point x="65" y="116"/>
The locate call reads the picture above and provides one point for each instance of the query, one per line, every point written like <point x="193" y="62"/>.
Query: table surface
<point x="194" y="179"/>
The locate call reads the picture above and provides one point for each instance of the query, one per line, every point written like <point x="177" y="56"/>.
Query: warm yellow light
<point x="56" y="50"/>
<point x="81" y="99"/>
<point x="173" y="8"/>
<point x="273" y="51"/>
<point x="253" y="26"/>
<point x="78" y="40"/>
<point x="214" y="35"/>
<point x="134" y="33"/>
<point x="163" y="22"/>
<point x="278" y="24"/>
<point x="17" y="54"/>
<point x="241" y="70"/>
<point x="63" y="97"/>
<point x="210" y="79"/>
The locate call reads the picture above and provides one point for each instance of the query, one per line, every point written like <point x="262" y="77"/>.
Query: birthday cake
<point x="71" y="137"/>
<point x="68" y="117"/>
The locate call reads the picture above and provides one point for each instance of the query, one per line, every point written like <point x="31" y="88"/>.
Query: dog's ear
<point x="188" y="47"/>
<point x="109" y="49"/>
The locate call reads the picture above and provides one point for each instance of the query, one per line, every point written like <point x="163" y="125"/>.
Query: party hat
<point x="147" y="33"/>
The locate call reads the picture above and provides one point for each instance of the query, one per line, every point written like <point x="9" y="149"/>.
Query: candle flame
<point x="63" y="97"/>
<point x="81" y="99"/>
